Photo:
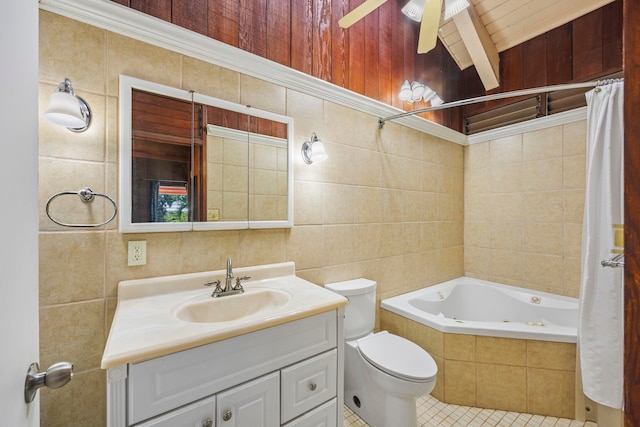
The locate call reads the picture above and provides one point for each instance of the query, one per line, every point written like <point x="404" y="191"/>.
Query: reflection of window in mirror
<point x="170" y="202"/>
<point x="230" y="163"/>
<point x="163" y="142"/>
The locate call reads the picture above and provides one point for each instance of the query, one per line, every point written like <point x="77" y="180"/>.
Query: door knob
<point x="56" y="376"/>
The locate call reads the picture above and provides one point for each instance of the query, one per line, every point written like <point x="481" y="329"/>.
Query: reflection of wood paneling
<point x="161" y="119"/>
<point x="232" y="120"/>
<point x="164" y="132"/>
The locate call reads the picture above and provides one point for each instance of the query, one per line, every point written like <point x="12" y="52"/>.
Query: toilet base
<point x="378" y="407"/>
<point x="388" y="411"/>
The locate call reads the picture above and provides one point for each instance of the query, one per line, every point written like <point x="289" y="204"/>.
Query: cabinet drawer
<point x="308" y="384"/>
<point x="322" y="416"/>
<point x="199" y="414"/>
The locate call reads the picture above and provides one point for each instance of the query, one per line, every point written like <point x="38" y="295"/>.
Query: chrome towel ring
<point x="86" y="195"/>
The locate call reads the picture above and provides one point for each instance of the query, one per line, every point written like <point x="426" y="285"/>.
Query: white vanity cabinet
<point x="285" y="375"/>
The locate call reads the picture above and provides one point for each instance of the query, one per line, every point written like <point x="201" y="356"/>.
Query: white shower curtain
<point x="601" y="326"/>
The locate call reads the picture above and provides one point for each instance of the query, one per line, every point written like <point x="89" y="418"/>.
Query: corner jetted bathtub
<point x="478" y="307"/>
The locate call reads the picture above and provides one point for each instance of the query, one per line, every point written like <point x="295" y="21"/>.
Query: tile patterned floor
<point x="433" y="413"/>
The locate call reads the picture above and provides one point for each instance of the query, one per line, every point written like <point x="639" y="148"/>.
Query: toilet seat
<point x="398" y="357"/>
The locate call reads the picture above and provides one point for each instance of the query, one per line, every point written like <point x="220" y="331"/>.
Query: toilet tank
<point x="360" y="314"/>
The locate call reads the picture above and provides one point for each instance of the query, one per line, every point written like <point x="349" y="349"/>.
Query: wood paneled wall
<point x="374" y="56"/>
<point x="585" y="49"/>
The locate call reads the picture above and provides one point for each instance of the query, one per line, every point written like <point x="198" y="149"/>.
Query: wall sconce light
<point x="68" y="110"/>
<point x="416" y="91"/>
<point x="313" y="150"/>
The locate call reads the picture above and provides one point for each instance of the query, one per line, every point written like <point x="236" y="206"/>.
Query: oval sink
<point x="251" y="303"/>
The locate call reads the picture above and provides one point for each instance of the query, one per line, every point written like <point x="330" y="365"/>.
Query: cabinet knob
<point x="227" y="416"/>
<point x="313" y="386"/>
<point x="207" y="423"/>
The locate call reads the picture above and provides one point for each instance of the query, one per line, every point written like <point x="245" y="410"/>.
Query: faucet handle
<point x="238" y="280"/>
<point x="218" y="288"/>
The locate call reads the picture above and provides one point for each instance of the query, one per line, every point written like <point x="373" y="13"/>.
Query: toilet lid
<point x="398" y="357"/>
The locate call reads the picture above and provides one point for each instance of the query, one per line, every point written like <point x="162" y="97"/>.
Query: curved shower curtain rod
<point x="495" y="96"/>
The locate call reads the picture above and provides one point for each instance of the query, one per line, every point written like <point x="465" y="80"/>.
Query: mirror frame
<point x="127" y="84"/>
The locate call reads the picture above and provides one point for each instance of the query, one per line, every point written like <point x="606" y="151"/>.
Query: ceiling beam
<point x="481" y="48"/>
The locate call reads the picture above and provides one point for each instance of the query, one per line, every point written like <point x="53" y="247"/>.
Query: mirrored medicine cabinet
<point x="189" y="161"/>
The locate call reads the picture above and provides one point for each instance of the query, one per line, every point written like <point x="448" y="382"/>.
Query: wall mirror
<point x="189" y="161"/>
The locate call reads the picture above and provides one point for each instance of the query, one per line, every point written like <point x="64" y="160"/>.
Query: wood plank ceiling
<point x="374" y="56"/>
<point x="512" y="22"/>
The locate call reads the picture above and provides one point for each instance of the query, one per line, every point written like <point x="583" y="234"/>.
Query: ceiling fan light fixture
<point x="417" y="91"/>
<point x="453" y="7"/>
<point x="428" y="94"/>
<point x="414" y="9"/>
<point x="405" y="91"/>
<point x="436" y="100"/>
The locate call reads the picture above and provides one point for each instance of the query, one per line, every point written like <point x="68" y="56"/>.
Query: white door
<point x="19" y="209"/>
<point x="253" y="404"/>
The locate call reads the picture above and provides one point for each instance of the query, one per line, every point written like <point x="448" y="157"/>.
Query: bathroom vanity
<point x="272" y="356"/>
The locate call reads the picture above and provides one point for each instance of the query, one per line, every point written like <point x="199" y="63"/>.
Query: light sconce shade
<point x="313" y="151"/>
<point x="416" y="91"/>
<point x="436" y="100"/>
<point x="405" y="91"/>
<point x="414" y="9"/>
<point x="453" y="7"/>
<point x="68" y="110"/>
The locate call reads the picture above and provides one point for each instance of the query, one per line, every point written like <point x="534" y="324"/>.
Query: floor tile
<point x="433" y="413"/>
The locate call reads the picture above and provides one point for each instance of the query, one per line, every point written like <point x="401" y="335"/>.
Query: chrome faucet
<point x="229" y="288"/>
<point x="228" y="284"/>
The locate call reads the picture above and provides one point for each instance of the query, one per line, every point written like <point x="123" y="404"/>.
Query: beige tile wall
<point x="529" y="376"/>
<point x="386" y="205"/>
<point x="524" y="197"/>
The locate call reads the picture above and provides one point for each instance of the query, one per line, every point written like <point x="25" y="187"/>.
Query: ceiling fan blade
<point x="429" y="26"/>
<point x="360" y="12"/>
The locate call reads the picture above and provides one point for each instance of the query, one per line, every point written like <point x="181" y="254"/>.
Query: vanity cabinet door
<point x="199" y="414"/>
<point x="252" y="404"/>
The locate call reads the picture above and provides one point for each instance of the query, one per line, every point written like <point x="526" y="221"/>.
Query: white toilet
<point x="384" y="374"/>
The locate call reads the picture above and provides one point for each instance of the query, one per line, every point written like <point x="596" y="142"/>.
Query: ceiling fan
<point x="427" y="11"/>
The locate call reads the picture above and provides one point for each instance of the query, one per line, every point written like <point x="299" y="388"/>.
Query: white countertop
<point x="145" y="325"/>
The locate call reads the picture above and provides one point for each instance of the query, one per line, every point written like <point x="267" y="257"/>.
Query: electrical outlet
<point x="137" y="252"/>
<point x="213" y="214"/>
